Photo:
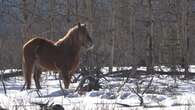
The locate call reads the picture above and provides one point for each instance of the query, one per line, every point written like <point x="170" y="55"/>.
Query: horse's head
<point x="84" y="37"/>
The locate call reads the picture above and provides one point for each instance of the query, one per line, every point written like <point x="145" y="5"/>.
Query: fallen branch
<point x="125" y="73"/>
<point x="12" y="74"/>
<point x="92" y="84"/>
<point x="46" y="106"/>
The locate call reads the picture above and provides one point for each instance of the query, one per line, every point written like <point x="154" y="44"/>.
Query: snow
<point x="164" y="94"/>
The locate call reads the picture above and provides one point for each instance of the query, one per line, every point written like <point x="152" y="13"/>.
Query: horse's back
<point x="30" y="48"/>
<point x="37" y="41"/>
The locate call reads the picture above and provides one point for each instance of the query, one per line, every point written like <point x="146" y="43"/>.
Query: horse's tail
<point x="24" y="71"/>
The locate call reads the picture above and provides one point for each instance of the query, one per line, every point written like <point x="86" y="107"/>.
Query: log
<point x="12" y="74"/>
<point x="142" y="72"/>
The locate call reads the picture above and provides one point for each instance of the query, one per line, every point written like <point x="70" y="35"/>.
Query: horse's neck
<point x="70" y="43"/>
<point x="66" y="39"/>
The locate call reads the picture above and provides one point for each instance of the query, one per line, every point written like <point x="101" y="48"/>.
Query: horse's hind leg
<point x="37" y="75"/>
<point x="27" y="68"/>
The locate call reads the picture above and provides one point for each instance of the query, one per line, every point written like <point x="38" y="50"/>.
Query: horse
<point x="61" y="56"/>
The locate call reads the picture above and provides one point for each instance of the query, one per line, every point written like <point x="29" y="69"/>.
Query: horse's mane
<point x="67" y="36"/>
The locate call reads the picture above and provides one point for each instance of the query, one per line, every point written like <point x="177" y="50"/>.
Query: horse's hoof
<point x="24" y="89"/>
<point x="39" y="88"/>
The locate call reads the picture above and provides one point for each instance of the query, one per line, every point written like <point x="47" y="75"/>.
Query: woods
<point x="143" y="54"/>
<point x="130" y="32"/>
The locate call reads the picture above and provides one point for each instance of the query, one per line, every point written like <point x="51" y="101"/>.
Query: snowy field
<point x="165" y="93"/>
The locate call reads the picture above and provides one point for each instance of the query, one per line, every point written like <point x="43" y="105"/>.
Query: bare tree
<point x="25" y="18"/>
<point x="150" y="36"/>
<point x="51" y="4"/>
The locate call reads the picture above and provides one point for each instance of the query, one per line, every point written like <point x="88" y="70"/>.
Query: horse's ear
<point x="79" y="25"/>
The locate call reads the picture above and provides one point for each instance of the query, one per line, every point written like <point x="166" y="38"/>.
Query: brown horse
<point x="61" y="56"/>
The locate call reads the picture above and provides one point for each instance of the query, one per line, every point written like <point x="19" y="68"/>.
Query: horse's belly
<point x="48" y="65"/>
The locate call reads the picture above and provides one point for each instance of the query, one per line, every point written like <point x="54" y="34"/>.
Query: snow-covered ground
<point x="165" y="93"/>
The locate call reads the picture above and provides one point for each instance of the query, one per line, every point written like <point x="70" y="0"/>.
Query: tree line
<point x="125" y="32"/>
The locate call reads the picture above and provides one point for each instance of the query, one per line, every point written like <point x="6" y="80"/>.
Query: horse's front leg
<point x="66" y="76"/>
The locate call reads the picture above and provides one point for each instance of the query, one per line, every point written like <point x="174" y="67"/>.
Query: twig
<point x="23" y="87"/>
<point x="138" y="90"/>
<point x="2" y="80"/>
<point x="61" y="87"/>
<point x="148" y="86"/>
<point x="134" y="68"/>
<point x="140" y="96"/>
<point x="38" y="92"/>
<point x="124" y="105"/>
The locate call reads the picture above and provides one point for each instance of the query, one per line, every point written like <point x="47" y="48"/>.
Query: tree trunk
<point x="25" y="18"/>
<point x="150" y="37"/>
